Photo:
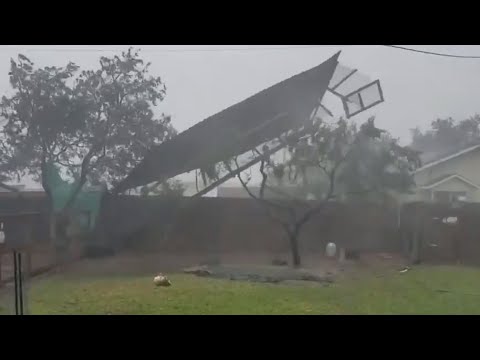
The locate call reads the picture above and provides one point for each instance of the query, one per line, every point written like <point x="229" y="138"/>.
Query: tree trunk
<point x="51" y="210"/>
<point x="294" y="249"/>
<point x="58" y="221"/>
<point x="58" y="225"/>
<point x="74" y="194"/>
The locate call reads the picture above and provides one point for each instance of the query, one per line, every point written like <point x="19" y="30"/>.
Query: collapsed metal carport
<point x="285" y="106"/>
<point x="237" y="129"/>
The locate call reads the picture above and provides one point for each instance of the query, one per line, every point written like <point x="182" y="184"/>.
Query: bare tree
<point x="325" y="154"/>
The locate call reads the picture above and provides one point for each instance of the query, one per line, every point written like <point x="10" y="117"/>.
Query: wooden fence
<point x="441" y="233"/>
<point x="223" y="225"/>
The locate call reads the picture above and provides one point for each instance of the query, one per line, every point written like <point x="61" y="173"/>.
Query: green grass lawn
<point x="423" y="290"/>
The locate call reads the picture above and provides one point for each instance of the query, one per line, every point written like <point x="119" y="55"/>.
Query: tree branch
<point x="68" y="164"/>
<point x="269" y="204"/>
<point x="264" y="179"/>
<point x="83" y="178"/>
<point x="272" y="151"/>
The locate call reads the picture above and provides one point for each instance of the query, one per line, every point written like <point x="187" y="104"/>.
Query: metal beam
<point x="242" y="168"/>
<point x="237" y="171"/>
<point x="344" y="79"/>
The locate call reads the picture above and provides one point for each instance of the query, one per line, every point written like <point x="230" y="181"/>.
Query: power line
<point x="173" y="50"/>
<point x="250" y="49"/>
<point x="433" y="53"/>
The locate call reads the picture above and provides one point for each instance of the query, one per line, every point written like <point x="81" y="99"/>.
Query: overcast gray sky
<point x="418" y="88"/>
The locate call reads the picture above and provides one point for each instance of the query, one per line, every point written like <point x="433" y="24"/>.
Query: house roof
<point x="448" y="157"/>
<point x="11" y="188"/>
<point x="443" y="179"/>
<point x="237" y="129"/>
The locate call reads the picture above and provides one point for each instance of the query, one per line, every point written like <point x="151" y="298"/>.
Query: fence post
<point x="415" y="248"/>
<point x="28" y="250"/>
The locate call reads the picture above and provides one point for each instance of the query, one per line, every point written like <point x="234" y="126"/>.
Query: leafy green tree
<point x="94" y="125"/>
<point x="446" y="135"/>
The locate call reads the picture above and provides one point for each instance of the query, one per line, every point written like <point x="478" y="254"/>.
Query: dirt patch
<point x="263" y="274"/>
<point x="235" y="266"/>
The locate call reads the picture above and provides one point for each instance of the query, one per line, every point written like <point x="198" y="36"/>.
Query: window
<point x="449" y="196"/>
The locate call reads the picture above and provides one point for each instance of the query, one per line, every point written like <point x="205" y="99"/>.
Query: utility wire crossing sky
<point x="258" y="48"/>
<point x="420" y="82"/>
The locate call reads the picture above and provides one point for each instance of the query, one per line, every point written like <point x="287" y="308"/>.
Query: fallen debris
<point x="279" y="262"/>
<point x="198" y="270"/>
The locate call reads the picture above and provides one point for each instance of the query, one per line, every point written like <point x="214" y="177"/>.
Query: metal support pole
<point x="15" y="279"/>
<point x="17" y="269"/>
<point x="20" y="282"/>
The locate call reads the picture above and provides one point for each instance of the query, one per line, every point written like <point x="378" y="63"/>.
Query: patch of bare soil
<point x="264" y="274"/>
<point x="253" y="267"/>
<point x="322" y="271"/>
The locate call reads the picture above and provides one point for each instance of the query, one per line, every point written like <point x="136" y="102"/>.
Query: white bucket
<point x="331" y="250"/>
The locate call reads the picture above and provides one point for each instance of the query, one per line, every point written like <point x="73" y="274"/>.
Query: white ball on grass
<point x="161" y="280"/>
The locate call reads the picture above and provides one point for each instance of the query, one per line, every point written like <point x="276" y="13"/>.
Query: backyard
<point x="422" y="290"/>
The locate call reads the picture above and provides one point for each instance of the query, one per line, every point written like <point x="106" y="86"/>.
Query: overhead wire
<point x="432" y="52"/>
<point x="230" y="49"/>
<point x="159" y="50"/>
